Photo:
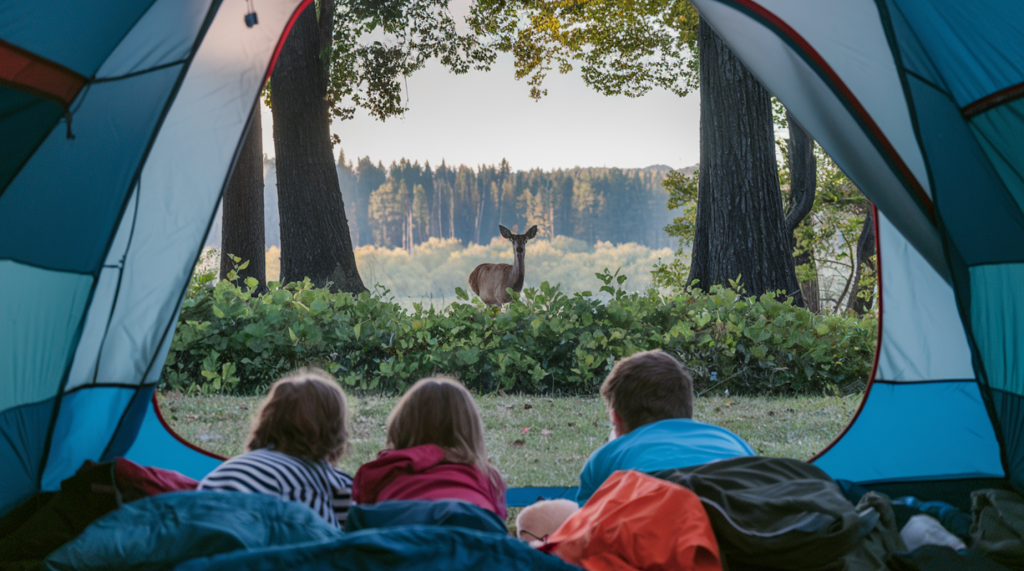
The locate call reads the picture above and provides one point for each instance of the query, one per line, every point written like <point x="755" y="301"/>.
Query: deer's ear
<point x="505" y="233"/>
<point x="531" y="233"/>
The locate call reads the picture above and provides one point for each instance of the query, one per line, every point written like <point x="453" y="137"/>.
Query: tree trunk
<point x="865" y="249"/>
<point x="242" y="232"/>
<point x="803" y="183"/>
<point x="740" y="228"/>
<point x="315" y="239"/>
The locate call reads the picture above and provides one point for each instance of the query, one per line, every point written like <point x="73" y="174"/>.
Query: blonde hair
<point x="305" y="415"/>
<point x="442" y="412"/>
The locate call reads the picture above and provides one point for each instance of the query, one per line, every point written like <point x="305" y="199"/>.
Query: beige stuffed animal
<point x="535" y="523"/>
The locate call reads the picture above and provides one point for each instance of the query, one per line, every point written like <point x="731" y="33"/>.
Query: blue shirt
<point x="662" y="445"/>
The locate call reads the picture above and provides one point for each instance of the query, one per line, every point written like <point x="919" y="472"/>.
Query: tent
<point x="120" y="121"/>
<point x="919" y="102"/>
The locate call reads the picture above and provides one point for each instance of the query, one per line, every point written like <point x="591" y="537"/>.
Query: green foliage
<point x="623" y="48"/>
<point x="376" y="45"/>
<point x="543" y="342"/>
<point x="682" y="196"/>
<point x="828" y="234"/>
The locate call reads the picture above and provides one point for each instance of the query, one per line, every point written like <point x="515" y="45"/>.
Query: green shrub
<point x="544" y="342"/>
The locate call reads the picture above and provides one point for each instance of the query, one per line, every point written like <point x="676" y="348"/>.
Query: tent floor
<point x="954" y="492"/>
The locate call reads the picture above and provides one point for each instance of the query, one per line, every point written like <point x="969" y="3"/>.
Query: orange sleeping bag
<point x="638" y="522"/>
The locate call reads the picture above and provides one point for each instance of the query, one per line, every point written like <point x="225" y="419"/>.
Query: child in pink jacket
<point x="435" y="451"/>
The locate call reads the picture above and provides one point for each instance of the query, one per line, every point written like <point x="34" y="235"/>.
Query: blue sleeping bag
<point x="162" y="531"/>
<point x="406" y="548"/>
<point x="449" y="513"/>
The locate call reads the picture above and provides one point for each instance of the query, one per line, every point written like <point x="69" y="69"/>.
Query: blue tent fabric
<point x="407" y="548"/>
<point x="920" y="102"/>
<point x="932" y="89"/>
<point x="119" y="126"/>
<point x="157" y="445"/>
<point x="162" y="531"/>
<point x="923" y="389"/>
<point x="55" y="30"/>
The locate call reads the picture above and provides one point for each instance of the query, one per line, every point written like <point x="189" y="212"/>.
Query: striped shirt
<point x="316" y="484"/>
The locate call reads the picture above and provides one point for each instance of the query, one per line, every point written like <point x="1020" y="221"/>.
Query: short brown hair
<point x="440" y="411"/>
<point x="305" y="415"/>
<point x="648" y="387"/>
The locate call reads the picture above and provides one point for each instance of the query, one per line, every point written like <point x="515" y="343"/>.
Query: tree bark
<point x="242" y="231"/>
<point x="865" y="249"/>
<point x="315" y="239"/>
<point x="740" y="231"/>
<point x="802" y="185"/>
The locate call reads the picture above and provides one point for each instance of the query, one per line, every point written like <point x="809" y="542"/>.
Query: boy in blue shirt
<point x="649" y="397"/>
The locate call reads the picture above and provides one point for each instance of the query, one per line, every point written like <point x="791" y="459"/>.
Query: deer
<point x="489" y="281"/>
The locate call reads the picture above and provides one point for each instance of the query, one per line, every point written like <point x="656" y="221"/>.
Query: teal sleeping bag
<point x="406" y="548"/>
<point x="162" y="531"/>
<point x="449" y="513"/>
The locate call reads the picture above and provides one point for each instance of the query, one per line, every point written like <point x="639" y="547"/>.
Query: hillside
<point x="592" y="211"/>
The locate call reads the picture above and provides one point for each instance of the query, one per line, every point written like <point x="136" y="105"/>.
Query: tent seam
<point x="138" y="73"/>
<point x="137" y="191"/>
<point x="926" y="382"/>
<point x="238" y="149"/>
<point x="137" y="182"/>
<point x="984" y="388"/>
<point x="231" y="170"/>
<point x="982" y="379"/>
<point x="172" y="96"/>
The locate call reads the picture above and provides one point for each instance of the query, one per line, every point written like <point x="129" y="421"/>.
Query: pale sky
<point x="482" y="117"/>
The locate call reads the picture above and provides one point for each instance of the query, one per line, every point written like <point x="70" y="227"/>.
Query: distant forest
<point x="408" y="203"/>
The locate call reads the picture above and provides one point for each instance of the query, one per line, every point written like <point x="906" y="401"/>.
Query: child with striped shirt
<point x="299" y="433"/>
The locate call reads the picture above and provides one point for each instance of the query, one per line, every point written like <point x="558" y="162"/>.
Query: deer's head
<point x="518" y="240"/>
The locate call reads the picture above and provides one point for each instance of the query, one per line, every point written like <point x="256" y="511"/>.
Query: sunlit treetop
<point x="376" y="44"/>
<point x="622" y="47"/>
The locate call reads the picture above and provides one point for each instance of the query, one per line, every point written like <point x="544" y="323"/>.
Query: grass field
<point x="535" y="441"/>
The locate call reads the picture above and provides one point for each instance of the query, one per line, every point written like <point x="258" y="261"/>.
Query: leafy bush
<point x="544" y="342"/>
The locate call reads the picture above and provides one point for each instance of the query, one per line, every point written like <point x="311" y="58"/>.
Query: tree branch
<point x="803" y="173"/>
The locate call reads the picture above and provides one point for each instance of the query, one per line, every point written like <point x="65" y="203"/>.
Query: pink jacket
<point x="420" y="473"/>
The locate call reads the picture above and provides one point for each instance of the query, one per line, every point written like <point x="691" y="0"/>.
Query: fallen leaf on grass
<point x="518" y="443"/>
<point x="525" y="430"/>
<point x="545" y="432"/>
<point x="527" y="406"/>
